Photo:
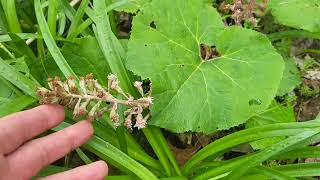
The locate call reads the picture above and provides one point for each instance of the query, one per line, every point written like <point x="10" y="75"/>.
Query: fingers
<point x="17" y="128"/>
<point x="94" y="171"/>
<point x="31" y="157"/>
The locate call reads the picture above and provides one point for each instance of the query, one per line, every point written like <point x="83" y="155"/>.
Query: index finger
<point x="17" y="128"/>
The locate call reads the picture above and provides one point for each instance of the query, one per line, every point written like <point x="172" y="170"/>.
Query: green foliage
<point x="276" y="113"/>
<point x="191" y="93"/>
<point x="131" y="6"/>
<point x="206" y="76"/>
<point x="300" y="14"/>
<point x="84" y="57"/>
<point x="306" y="91"/>
<point x="291" y="78"/>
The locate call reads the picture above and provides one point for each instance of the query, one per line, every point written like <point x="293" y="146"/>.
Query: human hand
<point x="22" y="160"/>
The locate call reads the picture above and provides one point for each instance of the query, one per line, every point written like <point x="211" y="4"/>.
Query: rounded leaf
<point x="192" y="93"/>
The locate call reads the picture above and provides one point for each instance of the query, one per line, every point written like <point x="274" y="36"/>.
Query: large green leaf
<point x="301" y="14"/>
<point x="191" y="93"/>
<point x="131" y="6"/>
<point x="276" y="113"/>
<point x="291" y="78"/>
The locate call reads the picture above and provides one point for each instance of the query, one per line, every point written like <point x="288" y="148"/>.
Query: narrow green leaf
<point x="52" y="17"/>
<point x="123" y="177"/>
<point x="16" y="104"/>
<point x="153" y="141"/>
<point x="306" y="152"/>
<point x="83" y="156"/>
<point x="107" y="151"/>
<point x="104" y="35"/>
<point x="292" y="34"/>
<point x="113" y="155"/>
<point x="62" y="23"/>
<point x="16" y="78"/>
<point x="3" y="21"/>
<point x="6" y="37"/>
<point x="78" y="17"/>
<point x="271" y="173"/>
<point x="12" y="17"/>
<point x="50" y="170"/>
<point x="221" y="145"/>
<point x="70" y="13"/>
<point x="269" y="152"/>
<point x="163" y="143"/>
<point x="300" y="170"/>
<point x="52" y="47"/>
<point x="82" y="27"/>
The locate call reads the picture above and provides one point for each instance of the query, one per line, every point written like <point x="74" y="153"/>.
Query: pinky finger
<point x="94" y="171"/>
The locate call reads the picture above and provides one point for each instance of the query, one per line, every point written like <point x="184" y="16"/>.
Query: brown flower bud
<point x="128" y="122"/>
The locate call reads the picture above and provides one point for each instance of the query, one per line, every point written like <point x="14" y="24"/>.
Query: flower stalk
<point x="92" y="100"/>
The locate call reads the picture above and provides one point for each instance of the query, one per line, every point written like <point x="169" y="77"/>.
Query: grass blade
<point x="52" y="47"/>
<point x="269" y="152"/>
<point x="108" y="152"/>
<point x="22" y="82"/>
<point x="221" y="145"/>
<point x="300" y="170"/>
<point x="78" y="17"/>
<point x="153" y="141"/>
<point x="83" y="156"/>
<point x="52" y="17"/>
<point x="272" y="173"/>
<point x="163" y="143"/>
<point x="16" y="104"/>
<point x="11" y="14"/>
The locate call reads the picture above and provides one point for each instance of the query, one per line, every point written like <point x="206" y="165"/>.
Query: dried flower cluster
<point x="89" y="98"/>
<point x="242" y="11"/>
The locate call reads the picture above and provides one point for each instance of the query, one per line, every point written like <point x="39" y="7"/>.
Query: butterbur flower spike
<point x="93" y="100"/>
